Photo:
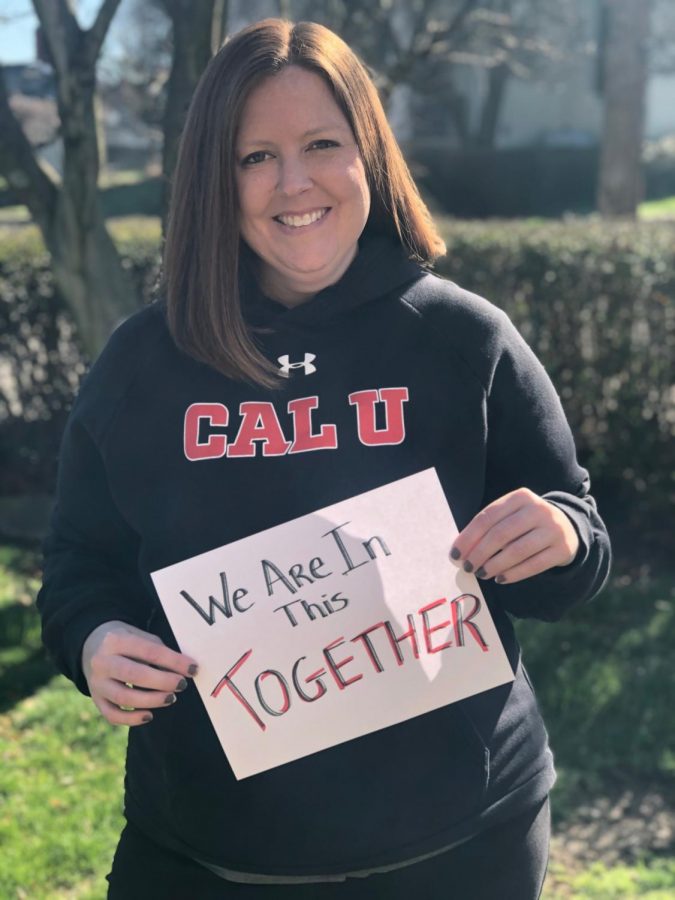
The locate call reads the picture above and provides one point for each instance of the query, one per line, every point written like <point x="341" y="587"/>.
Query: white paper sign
<point x="333" y="625"/>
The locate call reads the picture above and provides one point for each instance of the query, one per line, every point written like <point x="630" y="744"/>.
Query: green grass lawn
<point x="61" y="785"/>
<point x="603" y="676"/>
<point x="648" y="881"/>
<point x="658" y="209"/>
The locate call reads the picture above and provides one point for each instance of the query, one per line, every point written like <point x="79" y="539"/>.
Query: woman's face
<point x="303" y="193"/>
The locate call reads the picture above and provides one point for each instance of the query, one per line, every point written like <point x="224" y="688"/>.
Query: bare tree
<point x="624" y="82"/>
<point x="198" y="27"/>
<point x="143" y="61"/>
<point x="393" y="38"/>
<point x="518" y="39"/>
<point x="662" y="38"/>
<point x="423" y="42"/>
<point x="86" y="265"/>
<point x="173" y="41"/>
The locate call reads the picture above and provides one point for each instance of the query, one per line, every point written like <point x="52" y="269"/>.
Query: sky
<point x="18" y="23"/>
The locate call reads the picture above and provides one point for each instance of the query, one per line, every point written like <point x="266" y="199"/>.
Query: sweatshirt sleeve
<point x="530" y="444"/>
<point x="90" y="557"/>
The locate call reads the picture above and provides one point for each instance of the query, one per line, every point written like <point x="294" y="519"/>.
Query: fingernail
<point x="182" y="684"/>
<point x="147" y="718"/>
<point x="480" y="573"/>
<point x="193" y="669"/>
<point x="169" y="699"/>
<point x="468" y="567"/>
<point x="500" y="579"/>
<point x="454" y="553"/>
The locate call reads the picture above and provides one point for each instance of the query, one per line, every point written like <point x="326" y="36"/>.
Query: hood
<point x="380" y="266"/>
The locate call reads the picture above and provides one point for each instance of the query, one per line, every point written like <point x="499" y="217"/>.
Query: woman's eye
<point x="254" y="158"/>
<point x="324" y="143"/>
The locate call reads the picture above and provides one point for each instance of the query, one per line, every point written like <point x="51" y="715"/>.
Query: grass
<point x="23" y="666"/>
<point x="61" y="765"/>
<point x="604" y="680"/>
<point x="653" y="880"/>
<point x="61" y="792"/>
<point x="27" y="240"/>
<point x="658" y="209"/>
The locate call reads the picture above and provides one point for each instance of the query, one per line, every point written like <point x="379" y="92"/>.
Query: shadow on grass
<point x="19" y="625"/>
<point x="605" y="682"/>
<point x="24" y="677"/>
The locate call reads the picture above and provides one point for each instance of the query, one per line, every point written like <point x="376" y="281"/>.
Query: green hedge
<point x="38" y="346"/>
<point x="594" y="299"/>
<point x="523" y="181"/>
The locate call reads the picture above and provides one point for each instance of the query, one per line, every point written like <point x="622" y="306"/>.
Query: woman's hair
<point x="200" y="279"/>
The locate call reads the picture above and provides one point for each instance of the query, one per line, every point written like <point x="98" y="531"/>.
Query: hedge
<point x="594" y="299"/>
<point x="524" y="181"/>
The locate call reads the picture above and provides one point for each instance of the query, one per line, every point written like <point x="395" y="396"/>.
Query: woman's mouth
<point x="295" y="222"/>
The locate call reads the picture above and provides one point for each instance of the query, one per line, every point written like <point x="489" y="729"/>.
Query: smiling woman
<point x="301" y="353"/>
<point x="303" y="192"/>
<point x="301" y="131"/>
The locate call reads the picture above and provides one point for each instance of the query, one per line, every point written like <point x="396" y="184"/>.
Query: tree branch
<point x="60" y="29"/>
<point x="454" y="26"/>
<point x="27" y="179"/>
<point x="98" y="31"/>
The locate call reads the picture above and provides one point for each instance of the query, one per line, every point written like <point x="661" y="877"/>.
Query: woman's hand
<point x="130" y="672"/>
<point x="517" y="536"/>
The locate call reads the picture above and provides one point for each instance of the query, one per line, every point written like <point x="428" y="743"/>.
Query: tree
<point x="170" y="45"/>
<point x="662" y="38"/>
<point x="198" y="26"/>
<point x="393" y="38"/>
<point x="625" y="35"/>
<point x="87" y="268"/>
<point x="423" y="42"/>
<point x="522" y="39"/>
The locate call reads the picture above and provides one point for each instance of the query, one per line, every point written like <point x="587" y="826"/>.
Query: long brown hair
<point x="200" y="278"/>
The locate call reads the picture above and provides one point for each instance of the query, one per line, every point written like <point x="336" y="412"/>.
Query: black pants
<point x="507" y="862"/>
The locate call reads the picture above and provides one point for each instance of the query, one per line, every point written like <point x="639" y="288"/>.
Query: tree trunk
<point x="624" y="80"/>
<point x="498" y="77"/>
<point x="87" y="268"/>
<point x="196" y="28"/>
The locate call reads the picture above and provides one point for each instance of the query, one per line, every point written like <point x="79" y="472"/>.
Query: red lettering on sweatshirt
<point x="394" y="428"/>
<point x="215" y="446"/>
<point x="304" y="440"/>
<point x="259" y="423"/>
<point x="205" y="426"/>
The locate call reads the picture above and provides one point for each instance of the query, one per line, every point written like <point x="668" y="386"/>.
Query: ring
<point x="128" y="708"/>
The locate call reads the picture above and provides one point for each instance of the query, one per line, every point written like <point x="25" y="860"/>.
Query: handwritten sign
<point x="333" y="625"/>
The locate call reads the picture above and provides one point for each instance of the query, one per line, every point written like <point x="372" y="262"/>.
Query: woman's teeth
<point x="307" y="219"/>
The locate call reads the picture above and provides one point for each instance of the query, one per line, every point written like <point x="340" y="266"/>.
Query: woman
<point x="294" y="267"/>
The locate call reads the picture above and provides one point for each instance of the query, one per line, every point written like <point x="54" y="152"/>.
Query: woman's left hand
<point x="517" y="536"/>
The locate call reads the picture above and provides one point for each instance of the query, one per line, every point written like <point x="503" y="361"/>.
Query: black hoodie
<point x="413" y="372"/>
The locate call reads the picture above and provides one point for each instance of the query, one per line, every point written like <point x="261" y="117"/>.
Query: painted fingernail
<point x="454" y="553"/>
<point x="147" y="718"/>
<point x="169" y="699"/>
<point x="182" y="684"/>
<point x="468" y="567"/>
<point x="480" y="573"/>
<point x="193" y="669"/>
<point x="500" y="579"/>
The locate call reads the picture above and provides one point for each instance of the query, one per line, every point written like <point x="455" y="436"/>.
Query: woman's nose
<point x="294" y="177"/>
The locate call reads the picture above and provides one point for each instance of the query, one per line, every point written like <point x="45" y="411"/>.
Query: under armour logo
<point x="286" y="365"/>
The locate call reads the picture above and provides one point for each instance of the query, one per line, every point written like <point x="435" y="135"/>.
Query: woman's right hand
<point x="115" y="655"/>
